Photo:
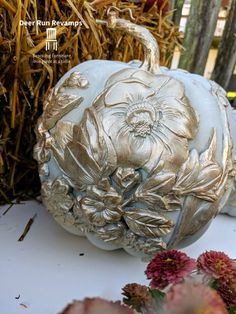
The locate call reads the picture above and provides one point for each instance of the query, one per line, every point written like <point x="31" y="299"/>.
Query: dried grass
<point x="23" y="83"/>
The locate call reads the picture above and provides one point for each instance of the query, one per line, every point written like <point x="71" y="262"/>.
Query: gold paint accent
<point x="199" y="208"/>
<point x="76" y="79"/>
<point x="128" y="158"/>
<point x="150" y="46"/>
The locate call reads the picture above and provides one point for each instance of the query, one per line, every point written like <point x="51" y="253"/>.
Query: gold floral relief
<point x="126" y="166"/>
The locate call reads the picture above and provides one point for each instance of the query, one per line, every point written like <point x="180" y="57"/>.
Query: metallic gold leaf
<point x="89" y="154"/>
<point x="160" y="182"/>
<point x="152" y="190"/>
<point x="210" y="153"/>
<point x="189" y="171"/>
<point x="153" y="200"/>
<point x="56" y="106"/>
<point x="76" y="80"/>
<point x="200" y="175"/>
<point x="187" y="224"/>
<point x="111" y="232"/>
<point x="63" y="133"/>
<point x="172" y="202"/>
<point x="91" y="134"/>
<point x="147" y="223"/>
<point x="81" y="167"/>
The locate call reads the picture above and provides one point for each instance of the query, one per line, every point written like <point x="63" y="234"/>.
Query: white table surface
<point x="43" y="273"/>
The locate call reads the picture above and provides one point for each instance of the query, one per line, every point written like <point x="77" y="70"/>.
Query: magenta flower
<point x="169" y="267"/>
<point x="228" y="292"/>
<point x="193" y="298"/>
<point x="217" y="265"/>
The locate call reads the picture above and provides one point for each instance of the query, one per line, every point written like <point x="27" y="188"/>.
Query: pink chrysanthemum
<point x="228" y="292"/>
<point x="193" y="298"/>
<point x="169" y="267"/>
<point x="217" y="265"/>
<point x="98" y="306"/>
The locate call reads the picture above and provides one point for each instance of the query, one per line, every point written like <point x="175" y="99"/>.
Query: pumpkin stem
<point x="143" y="35"/>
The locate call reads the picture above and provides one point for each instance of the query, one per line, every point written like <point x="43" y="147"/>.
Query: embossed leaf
<point x="152" y="190"/>
<point x="169" y="202"/>
<point x="90" y="154"/>
<point x="63" y="133"/>
<point x="148" y="246"/>
<point x="172" y="202"/>
<point x="208" y="179"/>
<point x="75" y="80"/>
<point x="210" y="153"/>
<point x="160" y="182"/>
<point x="40" y="153"/>
<point x="56" y="106"/>
<point x="111" y="232"/>
<point x="189" y="171"/>
<point x="200" y="175"/>
<point x="147" y="223"/>
<point x="91" y="134"/>
<point x="151" y="246"/>
<point x="196" y="215"/>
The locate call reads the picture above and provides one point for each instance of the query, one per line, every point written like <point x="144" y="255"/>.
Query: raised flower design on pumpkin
<point x="101" y="206"/>
<point x="56" y="196"/>
<point x="126" y="178"/>
<point x="147" y="117"/>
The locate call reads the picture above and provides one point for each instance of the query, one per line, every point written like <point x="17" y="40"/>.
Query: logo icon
<point x="51" y="41"/>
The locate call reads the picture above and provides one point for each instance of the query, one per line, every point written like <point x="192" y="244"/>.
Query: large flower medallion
<point x="147" y="121"/>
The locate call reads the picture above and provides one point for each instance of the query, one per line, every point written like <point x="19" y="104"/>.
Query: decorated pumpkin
<point x="135" y="156"/>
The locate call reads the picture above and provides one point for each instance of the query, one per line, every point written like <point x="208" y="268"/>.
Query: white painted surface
<point x="47" y="271"/>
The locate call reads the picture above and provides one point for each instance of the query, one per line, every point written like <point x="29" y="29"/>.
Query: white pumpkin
<point x="135" y="156"/>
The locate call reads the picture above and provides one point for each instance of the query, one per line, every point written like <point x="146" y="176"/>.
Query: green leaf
<point x="232" y="310"/>
<point x="158" y="297"/>
<point x="130" y="303"/>
<point x="214" y="284"/>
